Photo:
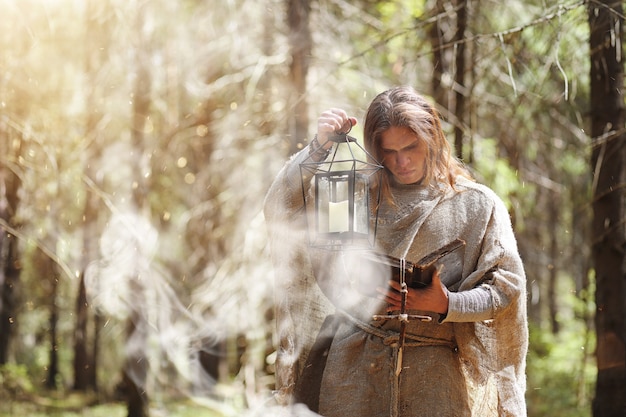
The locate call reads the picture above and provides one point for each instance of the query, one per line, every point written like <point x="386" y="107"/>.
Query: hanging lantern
<point x="343" y="214"/>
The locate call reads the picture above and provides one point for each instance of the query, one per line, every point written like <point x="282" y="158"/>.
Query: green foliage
<point x="556" y="384"/>
<point x="393" y="9"/>
<point x="496" y="172"/>
<point x="14" y="382"/>
<point x="560" y="368"/>
<point x="76" y="406"/>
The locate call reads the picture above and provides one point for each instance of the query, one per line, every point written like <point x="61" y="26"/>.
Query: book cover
<point x="419" y="274"/>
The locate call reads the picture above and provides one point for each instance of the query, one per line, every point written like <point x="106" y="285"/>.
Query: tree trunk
<point x="9" y="278"/>
<point x="82" y="361"/>
<point x="9" y="261"/>
<point x="53" y="353"/>
<point x="300" y="44"/>
<point x="608" y="162"/>
<point x="95" y="54"/>
<point x="459" y="77"/>
<point x="135" y="371"/>
<point x="136" y="364"/>
<point x="95" y="349"/>
<point x="439" y="67"/>
<point x="553" y="215"/>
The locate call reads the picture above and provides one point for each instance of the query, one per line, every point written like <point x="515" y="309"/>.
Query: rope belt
<point x="392" y="338"/>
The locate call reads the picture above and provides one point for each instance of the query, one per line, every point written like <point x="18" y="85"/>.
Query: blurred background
<point x="137" y="141"/>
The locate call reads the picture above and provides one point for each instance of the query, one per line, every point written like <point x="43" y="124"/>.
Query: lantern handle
<point x="342" y="136"/>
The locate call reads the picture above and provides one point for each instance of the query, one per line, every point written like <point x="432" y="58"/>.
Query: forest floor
<point x="76" y="405"/>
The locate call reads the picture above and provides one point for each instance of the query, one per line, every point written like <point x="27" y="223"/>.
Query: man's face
<point x="404" y="154"/>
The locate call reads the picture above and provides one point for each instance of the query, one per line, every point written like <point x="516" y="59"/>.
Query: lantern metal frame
<point x="351" y="170"/>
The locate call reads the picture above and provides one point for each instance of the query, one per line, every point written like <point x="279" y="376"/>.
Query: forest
<point x="138" y="139"/>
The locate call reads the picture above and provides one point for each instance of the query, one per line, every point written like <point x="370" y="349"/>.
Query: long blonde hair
<point x="404" y="107"/>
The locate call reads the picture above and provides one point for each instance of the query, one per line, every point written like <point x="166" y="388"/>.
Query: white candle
<point x="338" y="217"/>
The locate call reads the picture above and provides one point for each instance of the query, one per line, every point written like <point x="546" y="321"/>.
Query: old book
<point x="419" y="274"/>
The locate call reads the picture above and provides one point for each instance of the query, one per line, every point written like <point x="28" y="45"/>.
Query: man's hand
<point x="432" y="298"/>
<point x="331" y="122"/>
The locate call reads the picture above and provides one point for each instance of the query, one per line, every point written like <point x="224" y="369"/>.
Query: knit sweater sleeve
<point x="472" y="305"/>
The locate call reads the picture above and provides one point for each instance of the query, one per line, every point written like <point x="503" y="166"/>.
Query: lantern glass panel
<point x="334" y="206"/>
<point x="361" y="205"/>
<point x="340" y="217"/>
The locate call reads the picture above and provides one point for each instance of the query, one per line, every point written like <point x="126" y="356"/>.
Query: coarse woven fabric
<point x="486" y="320"/>
<point x="300" y="306"/>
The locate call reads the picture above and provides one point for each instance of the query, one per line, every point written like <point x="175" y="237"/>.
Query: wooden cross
<point x="403" y="317"/>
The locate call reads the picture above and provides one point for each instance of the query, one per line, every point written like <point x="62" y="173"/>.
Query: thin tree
<point x="51" y="283"/>
<point x="10" y="263"/>
<point x="9" y="256"/>
<point x="135" y="373"/>
<point x="300" y="44"/>
<point x="459" y="76"/>
<point x="608" y="162"/>
<point x="435" y="37"/>
<point x="85" y="360"/>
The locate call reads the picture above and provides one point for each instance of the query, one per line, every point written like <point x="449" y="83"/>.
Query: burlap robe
<point x="483" y="376"/>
